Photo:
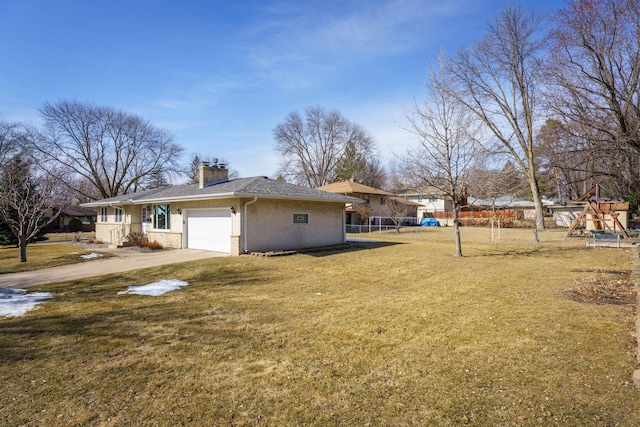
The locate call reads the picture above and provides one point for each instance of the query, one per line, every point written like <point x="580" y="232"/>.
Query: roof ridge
<point x="250" y="180"/>
<point x="148" y="192"/>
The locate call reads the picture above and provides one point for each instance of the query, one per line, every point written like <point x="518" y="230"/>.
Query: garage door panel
<point x="209" y="230"/>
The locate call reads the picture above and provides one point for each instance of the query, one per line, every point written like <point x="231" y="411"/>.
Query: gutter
<point x="244" y="223"/>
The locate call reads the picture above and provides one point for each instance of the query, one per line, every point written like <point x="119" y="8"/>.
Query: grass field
<point x="42" y="255"/>
<point x="398" y="332"/>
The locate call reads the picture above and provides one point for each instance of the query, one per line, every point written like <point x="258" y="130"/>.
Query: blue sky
<point x="221" y="74"/>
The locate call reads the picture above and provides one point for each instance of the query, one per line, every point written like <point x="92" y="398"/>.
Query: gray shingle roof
<point x="242" y="187"/>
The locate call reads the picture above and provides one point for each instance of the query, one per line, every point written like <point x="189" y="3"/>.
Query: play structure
<point x="599" y="217"/>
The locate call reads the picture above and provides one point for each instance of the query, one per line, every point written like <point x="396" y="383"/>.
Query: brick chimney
<point x="215" y="174"/>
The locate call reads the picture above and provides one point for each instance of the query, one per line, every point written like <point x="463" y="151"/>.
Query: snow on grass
<point x="91" y="256"/>
<point x="155" y="289"/>
<point x="17" y="302"/>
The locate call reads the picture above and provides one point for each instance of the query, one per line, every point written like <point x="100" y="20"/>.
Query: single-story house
<point x="505" y="203"/>
<point x="234" y="216"/>
<point x="86" y="215"/>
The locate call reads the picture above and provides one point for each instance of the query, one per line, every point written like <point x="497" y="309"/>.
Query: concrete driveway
<point x="124" y="260"/>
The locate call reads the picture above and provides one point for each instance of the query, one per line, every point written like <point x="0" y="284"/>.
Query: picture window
<point x="162" y="217"/>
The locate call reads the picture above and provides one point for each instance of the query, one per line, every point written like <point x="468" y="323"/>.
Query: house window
<point x="300" y="218"/>
<point x="433" y="199"/>
<point x="118" y="214"/>
<point x="103" y="214"/>
<point x="365" y="197"/>
<point x="161" y="217"/>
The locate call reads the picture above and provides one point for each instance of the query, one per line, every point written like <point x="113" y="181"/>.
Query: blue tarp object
<point x="429" y="222"/>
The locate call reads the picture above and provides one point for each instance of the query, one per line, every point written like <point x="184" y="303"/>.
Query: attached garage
<point x="231" y="216"/>
<point x="209" y="229"/>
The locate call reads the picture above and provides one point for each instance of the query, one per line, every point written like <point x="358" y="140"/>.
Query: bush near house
<point x="75" y="225"/>
<point x="140" y="240"/>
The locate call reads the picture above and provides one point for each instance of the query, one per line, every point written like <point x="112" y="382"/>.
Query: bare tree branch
<point x="312" y="147"/>
<point x="112" y="150"/>
<point x="447" y="148"/>
<point x="498" y="80"/>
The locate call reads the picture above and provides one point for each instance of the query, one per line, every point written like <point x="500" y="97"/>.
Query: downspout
<point x="344" y="225"/>
<point x="244" y="223"/>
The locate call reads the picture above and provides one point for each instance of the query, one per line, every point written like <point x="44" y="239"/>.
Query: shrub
<point x="75" y="225"/>
<point x="153" y="246"/>
<point x="136" y="239"/>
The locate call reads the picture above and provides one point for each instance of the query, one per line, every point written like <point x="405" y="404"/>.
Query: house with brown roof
<point x="233" y="216"/>
<point x="372" y="201"/>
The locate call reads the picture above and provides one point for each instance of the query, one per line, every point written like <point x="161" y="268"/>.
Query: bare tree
<point x="491" y="183"/>
<point x="9" y="143"/>
<point x="595" y="74"/>
<point x="498" y="80"/>
<point x="571" y="165"/>
<point x="311" y="147"/>
<point x="446" y="131"/>
<point x="397" y="209"/>
<point x="29" y="201"/>
<point x="113" y="150"/>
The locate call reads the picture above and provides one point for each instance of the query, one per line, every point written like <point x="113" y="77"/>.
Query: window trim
<point x="155" y="213"/>
<point x="303" y="216"/>
<point x="118" y="214"/>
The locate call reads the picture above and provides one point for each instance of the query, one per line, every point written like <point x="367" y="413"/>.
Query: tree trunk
<point x="22" y="244"/>
<point x="537" y="201"/>
<point x="456" y="229"/>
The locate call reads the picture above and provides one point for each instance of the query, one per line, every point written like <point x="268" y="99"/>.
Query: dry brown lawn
<point x="42" y="255"/>
<point x="397" y="332"/>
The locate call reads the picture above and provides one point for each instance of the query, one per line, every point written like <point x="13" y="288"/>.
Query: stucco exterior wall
<point x="270" y="225"/>
<point x="112" y="232"/>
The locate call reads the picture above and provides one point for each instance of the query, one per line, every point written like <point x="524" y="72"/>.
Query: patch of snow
<point x="17" y="302"/>
<point x="91" y="256"/>
<point x="155" y="289"/>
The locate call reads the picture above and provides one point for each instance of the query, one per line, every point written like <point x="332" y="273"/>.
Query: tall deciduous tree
<point x="595" y="72"/>
<point x="312" y="147"/>
<point x="570" y="164"/>
<point x="9" y="144"/>
<point x="29" y="201"/>
<point x="113" y="150"/>
<point x="498" y="80"/>
<point x="446" y="130"/>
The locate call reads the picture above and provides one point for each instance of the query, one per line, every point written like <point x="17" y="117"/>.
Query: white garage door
<point x="209" y="230"/>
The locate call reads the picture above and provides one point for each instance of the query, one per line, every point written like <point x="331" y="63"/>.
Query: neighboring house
<point x="431" y="203"/>
<point x="86" y="215"/>
<point x="233" y="216"/>
<point x="370" y="197"/>
<point x="505" y="203"/>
